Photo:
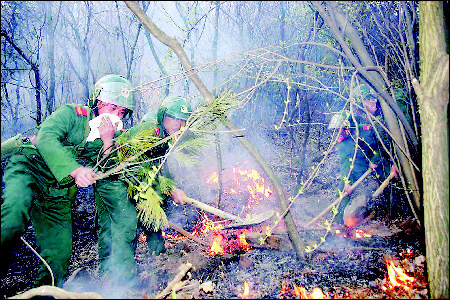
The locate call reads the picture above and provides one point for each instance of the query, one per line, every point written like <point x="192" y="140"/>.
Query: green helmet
<point x="362" y="92"/>
<point x="114" y="89"/>
<point x="175" y="107"/>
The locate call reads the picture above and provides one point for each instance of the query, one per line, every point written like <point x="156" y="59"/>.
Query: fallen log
<point x="55" y="292"/>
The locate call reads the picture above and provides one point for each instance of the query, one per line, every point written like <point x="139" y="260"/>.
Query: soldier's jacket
<point x="156" y="130"/>
<point x="368" y="148"/>
<point x="61" y="137"/>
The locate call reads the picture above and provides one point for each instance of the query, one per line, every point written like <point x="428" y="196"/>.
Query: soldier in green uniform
<point x="41" y="180"/>
<point x="359" y="150"/>
<point x="170" y="117"/>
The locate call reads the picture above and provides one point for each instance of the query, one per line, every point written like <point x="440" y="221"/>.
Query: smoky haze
<point x="278" y="58"/>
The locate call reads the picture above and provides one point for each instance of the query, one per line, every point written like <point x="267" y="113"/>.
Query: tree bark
<point x="208" y="96"/>
<point x="433" y="93"/>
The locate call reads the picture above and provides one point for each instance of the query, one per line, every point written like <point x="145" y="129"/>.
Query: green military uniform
<point x="38" y="184"/>
<point x="155" y="240"/>
<point x="152" y="122"/>
<point x="367" y="150"/>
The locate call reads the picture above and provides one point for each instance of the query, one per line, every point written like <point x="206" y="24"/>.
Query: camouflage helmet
<point x="113" y="89"/>
<point x="175" y="107"/>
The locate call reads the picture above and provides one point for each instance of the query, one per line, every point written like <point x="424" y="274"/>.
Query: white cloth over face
<point x="94" y="133"/>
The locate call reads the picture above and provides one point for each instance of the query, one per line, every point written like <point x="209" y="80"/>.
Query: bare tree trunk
<point x="35" y="68"/>
<point x="208" y="96"/>
<point x="37" y="79"/>
<point x="82" y="48"/>
<point x="158" y="62"/>
<point x="433" y="96"/>
<point x="218" y="149"/>
<point x="302" y="154"/>
<point x="50" y="103"/>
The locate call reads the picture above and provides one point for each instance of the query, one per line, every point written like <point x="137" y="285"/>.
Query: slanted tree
<point x="293" y="234"/>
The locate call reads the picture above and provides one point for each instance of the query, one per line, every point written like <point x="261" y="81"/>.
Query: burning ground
<point x="382" y="259"/>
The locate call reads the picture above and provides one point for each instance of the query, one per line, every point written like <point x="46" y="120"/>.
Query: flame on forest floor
<point x="216" y="247"/>
<point x="245" y="182"/>
<point x="246" y="291"/>
<point x="398" y="277"/>
<point x="353" y="233"/>
<point x="303" y="294"/>
<point x="240" y="182"/>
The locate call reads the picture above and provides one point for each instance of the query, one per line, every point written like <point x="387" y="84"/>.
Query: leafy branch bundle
<point x="146" y="186"/>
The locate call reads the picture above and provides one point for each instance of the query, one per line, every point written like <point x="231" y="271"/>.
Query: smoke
<point x="116" y="284"/>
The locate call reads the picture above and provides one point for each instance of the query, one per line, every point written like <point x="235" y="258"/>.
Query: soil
<point x="341" y="267"/>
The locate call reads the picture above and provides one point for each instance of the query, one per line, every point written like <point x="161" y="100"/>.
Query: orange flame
<point x="248" y="185"/>
<point x="216" y="247"/>
<point x="398" y="277"/>
<point x="315" y="294"/>
<point x="254" y="184"/>
<point x="359" y="233"/>
<point x="246" y="292"/>
<point x="213" y="178"/>
<point x="243" y="241"/>
<point x="284" y="288"/>
<point x="207" y="225"/>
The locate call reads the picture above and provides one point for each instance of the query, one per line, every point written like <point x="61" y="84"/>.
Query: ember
<point x="284" y="288"/>
<point x="142" y="237"/>
<point x="206" y="225"/>
<point x="243" y="241"/>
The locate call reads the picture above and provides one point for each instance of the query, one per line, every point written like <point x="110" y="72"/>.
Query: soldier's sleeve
<point x="376" y="145"/>
<point x="346" y="149"/>
<point x="59" y="157"/>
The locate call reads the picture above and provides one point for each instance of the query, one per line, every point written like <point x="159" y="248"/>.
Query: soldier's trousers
<point x="117" y="233"/>
<point x="32" y="192"/>
<point x="367" y="187"/>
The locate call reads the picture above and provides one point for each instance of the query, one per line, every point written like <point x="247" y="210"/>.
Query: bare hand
<point x="83" y="176"/>
<point x="348" y="189"/>
<point x="373" y="166"/>
<point x="178" y="196"/>
<point x="394" y="170"/>
<point x="107" y="130"/>
<point x="33" y="140"/>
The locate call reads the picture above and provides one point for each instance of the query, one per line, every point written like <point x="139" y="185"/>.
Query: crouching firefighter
<point x="41" y="180"/>
<point x="170" y="117"/>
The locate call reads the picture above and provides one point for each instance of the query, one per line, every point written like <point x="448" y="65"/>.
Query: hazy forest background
<point x="289" y="63"/>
